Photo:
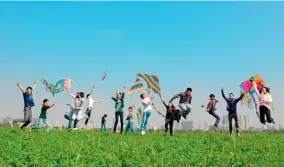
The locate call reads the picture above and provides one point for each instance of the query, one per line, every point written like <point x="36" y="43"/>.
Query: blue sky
<point x="203" y="45"/>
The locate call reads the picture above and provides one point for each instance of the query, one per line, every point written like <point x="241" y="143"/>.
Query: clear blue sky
<point x="203" y="45"/>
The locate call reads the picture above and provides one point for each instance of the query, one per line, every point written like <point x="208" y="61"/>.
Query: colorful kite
<point x="248" y="89"/>
<point x="152" y="81"/>
<point x="58" y="87"/>
<point x="139" y="115"/>
<point x="159" y="112"/>
<point x="137" y="86"/>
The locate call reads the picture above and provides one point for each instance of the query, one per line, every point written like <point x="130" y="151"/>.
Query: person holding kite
<point x="77" y="112"/>
<point x="28" y="104"/>
<point x="184" y="102"/>
<point x="265" y="104"/>
<point x="147" y="103"/>
<point x="211" y="108"/>
<point x="232" y="109"/>
<point x="170" y="116"/>
<point x="118" y="98"/>
<point x="91" y="103"/>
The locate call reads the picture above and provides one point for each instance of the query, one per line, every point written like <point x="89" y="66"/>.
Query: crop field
<point x="92" y="148"/>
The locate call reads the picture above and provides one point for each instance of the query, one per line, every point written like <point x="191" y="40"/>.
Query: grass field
<point x="91" y="148"/>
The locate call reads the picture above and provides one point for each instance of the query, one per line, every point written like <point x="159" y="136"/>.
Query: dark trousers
<point x="88" y="113"/>
<point x="217" y="118"/>
<point x="235" y="117"/>
<point x="171" y="123"/>
<point x="118" y="114"/>
<point x="264" y="111"/>
<point x="27" y="117"/>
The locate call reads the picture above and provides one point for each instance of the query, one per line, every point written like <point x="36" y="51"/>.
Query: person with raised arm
<point x="147" y="103"/>
<point x="28" y="104"/>
<point x="91" y="103"/>
<point x="170" y="116"/>
<point x="232" y="109"/>
<point x="118" y="98"/>
<point x="184" y="102"/>
<point x="43" y="116"/>
<point x="76" y="114"/>
<point x="265" y="103"/>
<point x="211" y="109"/>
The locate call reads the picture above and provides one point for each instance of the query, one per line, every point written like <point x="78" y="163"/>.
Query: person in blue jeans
<point x="147" y="103"/>
<point x="118" y="98"/>
<point x="103" y="123"/>
<point x="130" y="118"/>
<point x="43" y="116"/>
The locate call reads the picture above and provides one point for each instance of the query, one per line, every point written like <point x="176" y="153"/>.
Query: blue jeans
<point x="130" y="125"/>
<point x="145" y="118"/>
<point x="43" y="121"/>
<point x="103" y="126"/>
<point x="75" y="123"/>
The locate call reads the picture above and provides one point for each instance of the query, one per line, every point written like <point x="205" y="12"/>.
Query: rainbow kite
<point x="152" y="81"/>
<point x="139" y="115"/>
<point x="159" y="112"/>
<point x="58" y="87"/>
<point x="137" y="86"/>
<point x="248" y="90"/>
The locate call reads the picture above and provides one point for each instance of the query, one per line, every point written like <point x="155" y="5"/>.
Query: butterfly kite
<point x="58" y="87"/>
<point x="249" y="91"/>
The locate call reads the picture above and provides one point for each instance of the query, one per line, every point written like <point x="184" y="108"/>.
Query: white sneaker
<point x="75" y="129"/>
<point x="264" y="127"/>
<point x="11" y="124"/>
<point x="143" y="133"/>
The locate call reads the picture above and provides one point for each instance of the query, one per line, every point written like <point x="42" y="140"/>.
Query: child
<point x="43" y="117"/>
<point x="265" y="103"/>
<point x="170" y="116"/>
<point x="232" y="108"/>
<point x="211" y="108"/>
<point x="130" y="118"/>
<point x="28" y="104"/>
<point x="184" y="102"/>
<point x="118" y="98"/>
<point x="77" y="113"/>
<point x="90" y="105"/>
<point x="147" y="103"/>
<point x="103" y="123"/>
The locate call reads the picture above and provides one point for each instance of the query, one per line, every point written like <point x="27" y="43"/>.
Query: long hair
<point x="266" y="88"/>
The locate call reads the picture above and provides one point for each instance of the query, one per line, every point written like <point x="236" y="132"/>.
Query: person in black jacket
<point x="170" y="116"/>
<point x="103" y="123"/>
<point x="232" y="109"/>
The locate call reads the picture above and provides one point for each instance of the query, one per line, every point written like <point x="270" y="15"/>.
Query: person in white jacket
<point x="147" y="103"/>
<point x="265" y="104"/>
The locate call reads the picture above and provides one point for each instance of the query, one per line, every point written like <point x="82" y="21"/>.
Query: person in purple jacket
<point x="184" y="102"/>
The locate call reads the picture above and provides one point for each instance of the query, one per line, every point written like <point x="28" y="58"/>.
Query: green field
<point x="92" y="148"/>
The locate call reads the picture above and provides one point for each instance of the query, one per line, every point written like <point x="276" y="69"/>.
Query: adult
<point x="184" y="102"/>
<point x="118" y="98"/>
<point x="147" y="103"/>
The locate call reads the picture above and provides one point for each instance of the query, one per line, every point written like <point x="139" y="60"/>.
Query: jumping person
<point x="28" y="104"/>
<point x="170" y="116"/>
<point x="77" y="113"/>
<point x="211" y="109"/>
<point x="232" y="109"/>
<point x="91" y="103"/>
<point x="103" y="123"/>
<point x="130" y="120"/>
<point x="43" y="116"/>
<point x="147" y="103"/>
<point x="184" y="102"/>
<point x="265" y="103"/>
<point x="118" y="98"/>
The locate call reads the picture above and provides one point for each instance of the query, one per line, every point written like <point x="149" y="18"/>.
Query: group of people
<point x="172" y="113"/>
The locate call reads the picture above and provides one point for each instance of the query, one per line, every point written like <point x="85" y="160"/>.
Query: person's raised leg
<point x="268" y="116"/>
<point x="182" y="108"/>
